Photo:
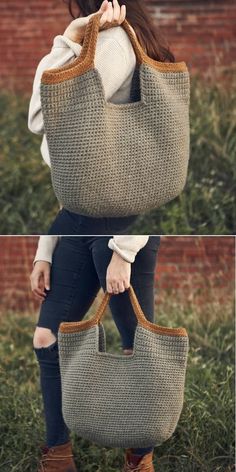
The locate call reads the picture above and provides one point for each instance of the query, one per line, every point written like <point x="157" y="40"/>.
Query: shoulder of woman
<point x="119" y="35"/>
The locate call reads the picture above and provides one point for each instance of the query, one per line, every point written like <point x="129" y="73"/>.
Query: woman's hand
<point x="118" y="274"/>
<point x="40" y="279"/>
<point x="112" y="14"/>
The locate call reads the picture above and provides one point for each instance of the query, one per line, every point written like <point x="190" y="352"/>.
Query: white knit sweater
<point x="114" y="59"/>
<point x="126" y="246"/>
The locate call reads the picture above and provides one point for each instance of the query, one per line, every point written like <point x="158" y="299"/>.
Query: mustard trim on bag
<point x="77" y="326"/>
<point x="85" y="61"/>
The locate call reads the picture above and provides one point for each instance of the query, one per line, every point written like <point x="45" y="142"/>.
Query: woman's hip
<point x="67" y="222"/>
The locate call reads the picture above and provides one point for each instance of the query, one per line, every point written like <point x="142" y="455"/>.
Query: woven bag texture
<point x="114" y="160"/>
<point x="122" y="400"/>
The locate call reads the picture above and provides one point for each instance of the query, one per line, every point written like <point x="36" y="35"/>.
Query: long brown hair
<point x="138" y="16"/>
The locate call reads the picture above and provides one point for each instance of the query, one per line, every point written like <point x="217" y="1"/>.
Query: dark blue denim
<point x="69" y="223"/>
<point x="78" y="272"/>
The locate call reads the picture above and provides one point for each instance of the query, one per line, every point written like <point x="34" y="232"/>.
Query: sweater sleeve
<point x="46" y="246"/>
<point x="63" y="52"/>
<point x="110" y="61"/>
<point x="127" y="246"/>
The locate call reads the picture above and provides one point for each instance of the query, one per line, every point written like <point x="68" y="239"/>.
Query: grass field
<point x="207" y="205"/>
<point x="204" y="438"/>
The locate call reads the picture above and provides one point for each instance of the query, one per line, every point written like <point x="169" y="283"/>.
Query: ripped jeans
<point x="78" y="272"/>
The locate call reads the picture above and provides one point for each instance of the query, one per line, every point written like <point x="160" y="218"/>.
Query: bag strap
<point x="76" y="326"/>
<point x="91" y="35"/>
<point x="85" y="61"/>
<point x="134" y="301"/>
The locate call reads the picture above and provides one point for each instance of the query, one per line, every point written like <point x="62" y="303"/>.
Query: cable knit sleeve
<point x="110" y="60"/>
<point x="127" y="246"/>
<point x="46" y="246"/>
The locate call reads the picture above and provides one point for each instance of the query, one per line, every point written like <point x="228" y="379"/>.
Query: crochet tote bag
<point x="114" y="160"/>
<point x="122" y="400"/>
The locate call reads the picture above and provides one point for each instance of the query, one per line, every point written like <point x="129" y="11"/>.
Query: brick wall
<point x="203" y="33"/>
<point x="190" y="270"/>
<point x="200" y="32"/>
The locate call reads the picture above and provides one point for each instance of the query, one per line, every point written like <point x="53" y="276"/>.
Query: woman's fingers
<point x="47" y="279"/>
<point x="37" y="285"/>
<point x="109" y="12"/>
<point x="38" y="291"/>
<point x="40" y="279"/>
<point x="103" y="6"/>
<point x="118" y="12"/>
<point x="105" y="16"/>
<point x="108" y="287"/>
<point x="112" y="286"/>
<point x="34" y="281"/>
<point x="113" y="13"/>
<point x="38" y="294"/>
<point x="118" y="274"/>
<point x="126" y="284"/>
<point x="122" y="13"/>
<point x="116" y="287"/>
<point x="121" y="286"/>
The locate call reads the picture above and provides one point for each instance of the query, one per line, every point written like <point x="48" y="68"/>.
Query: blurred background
<point x="202" y="33"/>
<point x="194" y="288"/>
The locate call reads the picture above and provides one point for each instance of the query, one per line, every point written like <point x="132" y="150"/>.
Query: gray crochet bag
<point x="122" y="400"/>
<point x="114" y="160"/>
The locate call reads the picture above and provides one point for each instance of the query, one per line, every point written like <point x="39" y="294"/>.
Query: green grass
<point x="204" y="438"/>
<point x="207" y="205"/>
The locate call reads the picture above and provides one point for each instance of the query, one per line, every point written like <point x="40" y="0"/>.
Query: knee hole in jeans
<point x="43" y="337"/>
<point x="128" y="351"/>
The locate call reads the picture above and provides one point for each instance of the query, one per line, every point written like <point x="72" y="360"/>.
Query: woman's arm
<point x="45" y="249"/>
<point x="124" y="249"/>
<point x="127" y="246"/>
<point x="40" y="279"/>
<point x="111" y="62"/>
<point x="40" y="275"/>
<point x="118" y="275"/>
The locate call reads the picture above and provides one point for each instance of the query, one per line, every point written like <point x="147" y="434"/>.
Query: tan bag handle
<point x="85" y="61"/>
<point x="90" y="41"/>
<point x="74" y="327"/>
<point x="135" y="304"/>
<point x="91" y="35"/>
